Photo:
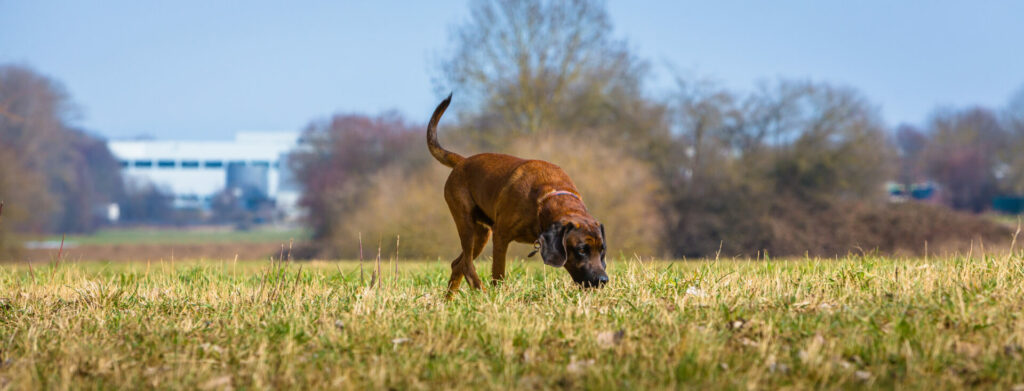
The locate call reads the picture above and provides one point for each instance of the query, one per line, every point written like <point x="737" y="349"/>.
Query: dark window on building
<point x="236" y="163"/>
<point x="189" y="164"/>
<point x="213" y="164"/>
<point x="277" y="164"/>
<point x="143" y="163"/>
<point x="165" y="164"/>
<point x="261" y="163"/>
<point x="123" y="163"/>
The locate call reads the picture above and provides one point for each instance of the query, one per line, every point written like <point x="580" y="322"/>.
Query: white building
<point x="196" y="170"/>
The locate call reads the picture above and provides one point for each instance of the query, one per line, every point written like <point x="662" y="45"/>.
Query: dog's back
<point x="501" y="182"/>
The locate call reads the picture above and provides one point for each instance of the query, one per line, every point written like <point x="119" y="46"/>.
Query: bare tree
<point x="32" y="109"/>
<point x="1013" y="180"/>
<point x="910" y="143"/>
<point x="707" y="118"/>
<point x="1015" y="108"/>
<point x="815" y="138"/>
<point x="965" y="154"/>
<point x="51" y="175"/>
<point x="761" y="162"/>
<point x="338" y="156"/>
<point x="531" y="64"/>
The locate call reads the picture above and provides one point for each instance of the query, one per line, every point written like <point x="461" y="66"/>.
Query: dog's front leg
<point x="498" y="265"/>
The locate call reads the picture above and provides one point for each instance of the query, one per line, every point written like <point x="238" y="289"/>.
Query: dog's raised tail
<point x="446" y="157"/>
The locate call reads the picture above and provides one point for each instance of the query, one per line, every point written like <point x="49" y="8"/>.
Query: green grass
<point x="1008" y="220"/>
<point x="860" y="322"/>
<point x="184" y="236"/>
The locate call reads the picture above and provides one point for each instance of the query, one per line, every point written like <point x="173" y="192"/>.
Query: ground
<point x="156" y="244"/>
<point x="856" y="322"/>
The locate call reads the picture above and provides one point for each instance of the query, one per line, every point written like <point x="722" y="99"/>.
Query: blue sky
<point x="206" y="69"/>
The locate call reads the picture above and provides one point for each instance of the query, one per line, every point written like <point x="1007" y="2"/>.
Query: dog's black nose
<point x="592" y="281"/>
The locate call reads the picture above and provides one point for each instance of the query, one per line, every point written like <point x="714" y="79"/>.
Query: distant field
<point x="858" y="322"/>
<point x="141" y="244"/>
<point x="1007" y="220"/>
<point x="184" y="236"/>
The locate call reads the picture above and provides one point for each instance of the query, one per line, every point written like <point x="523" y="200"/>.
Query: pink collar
<point x="553" y="193"/>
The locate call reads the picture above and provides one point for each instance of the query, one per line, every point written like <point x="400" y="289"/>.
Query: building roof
<point x="247" y="146"/>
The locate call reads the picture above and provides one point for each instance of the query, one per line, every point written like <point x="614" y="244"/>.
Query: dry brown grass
<point x="858" y="322"/>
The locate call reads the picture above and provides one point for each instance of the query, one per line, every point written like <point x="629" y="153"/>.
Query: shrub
<point x="838" y="228"/>
<point x="408" y="201"/>
<point x="399" y="203"/>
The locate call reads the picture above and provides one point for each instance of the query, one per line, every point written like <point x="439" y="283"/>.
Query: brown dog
<point x="527" y="201"/>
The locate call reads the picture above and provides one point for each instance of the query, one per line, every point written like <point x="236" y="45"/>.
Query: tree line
<point x="792" y="167"/>
<point x="51" y="174"/>
<point x="54" y="176"/>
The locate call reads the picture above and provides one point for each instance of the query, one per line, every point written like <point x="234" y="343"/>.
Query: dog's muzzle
<point x="596" y="282"/>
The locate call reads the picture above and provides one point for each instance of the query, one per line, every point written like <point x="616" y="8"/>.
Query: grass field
<point x="859" y="322"/>
<point x="125" y="244"/>
<point x="183" y="236"/>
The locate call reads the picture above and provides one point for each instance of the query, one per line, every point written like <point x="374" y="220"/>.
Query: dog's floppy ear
<point x="552" y="246"/>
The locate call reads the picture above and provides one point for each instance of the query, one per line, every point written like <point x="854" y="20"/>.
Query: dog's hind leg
<point x="476" y="246"/>
<point x="472" y="235"/>
<point x="456" y="278"/>
<point x="463" y="266"/>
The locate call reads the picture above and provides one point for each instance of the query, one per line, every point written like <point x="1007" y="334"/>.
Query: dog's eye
<point x="582" y="250"/>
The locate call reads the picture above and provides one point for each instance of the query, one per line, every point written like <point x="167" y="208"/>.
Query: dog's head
<point x="579" y="246"/>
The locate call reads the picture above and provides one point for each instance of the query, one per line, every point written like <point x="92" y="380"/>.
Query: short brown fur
<point x="498" y="193"/>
